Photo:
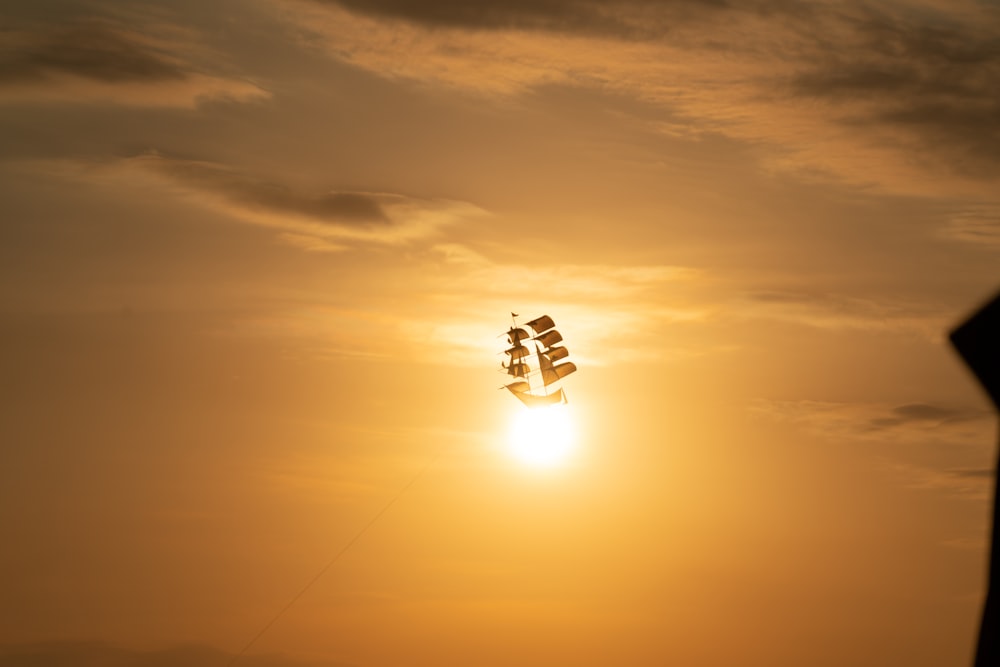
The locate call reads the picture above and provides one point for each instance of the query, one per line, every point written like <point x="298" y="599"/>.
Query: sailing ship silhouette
<point x="535" y="370"/>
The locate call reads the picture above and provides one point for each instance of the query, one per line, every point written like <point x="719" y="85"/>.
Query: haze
<point x="255" y="258"/>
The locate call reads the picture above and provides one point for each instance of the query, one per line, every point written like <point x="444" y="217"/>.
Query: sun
<point x="542" y="437"/>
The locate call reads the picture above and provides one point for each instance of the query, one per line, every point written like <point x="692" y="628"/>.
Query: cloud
<point x="245" y="191"/>
<point x="974" y="473"/>
<point x="631" y="19"/>
<point x="928" y="76"/>
<point x="979" y="225"/>
<point x="91" y="50"/>
<point x="909" y="423"/>
<point x="912" y="429"/>
<point x="972" y="484"/>
<point x="637" y="19"/>
<point x="923" y="413"/>
<point x="325" y="221"/>
<point x="608" y="313"/>
<point x="635" y="315"/>
<point x="825" y="310"/>
<point x="902" y="98"/>
<point x="628" y="298"/>
<point x="99" y="654"/>
<point x="590" y="281"/>
<point x="315" y="221"/>
<point x="559" y="15"/>
<point x="102" y="61"/>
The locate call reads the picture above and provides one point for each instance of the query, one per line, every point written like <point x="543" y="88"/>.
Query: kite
<point x="535" y="371"/>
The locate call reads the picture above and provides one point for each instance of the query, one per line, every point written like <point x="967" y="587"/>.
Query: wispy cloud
<point x="614" y="313"/>
<point x="598" y="303"/>
<point x="979" y="225"/>
<point x="635" y="19"/>
<point x="333" y="220"/>
<point x="315" y="221"/>
<point x="910" y="422"/>
<point x="825" y="310"/>
<point x="464" y="298"/>
<point x="105" y="61"/>
<point x="98" y="653"/>
<point x="910" y="426"/>
<point x="559" y="278"/>
<point x="924" y="414"/>
<point x="897" y="97"/>
<point x="254" y="194"/>
<point x="966" y="483"/>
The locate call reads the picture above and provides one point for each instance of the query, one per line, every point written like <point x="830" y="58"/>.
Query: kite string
<point x="336" y="557"/>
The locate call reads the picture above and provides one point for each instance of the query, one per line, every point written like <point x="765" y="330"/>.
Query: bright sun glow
<point x="543" y="436"/>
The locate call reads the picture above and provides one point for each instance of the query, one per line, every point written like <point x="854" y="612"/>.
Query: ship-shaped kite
<point x="534" y="368"/>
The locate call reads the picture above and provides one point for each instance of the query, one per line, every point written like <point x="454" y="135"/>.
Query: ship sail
<point x="543" y="323"/>
<point x="553" y="372"/>
<point x="515" y="335"/>
<point x="517" y="369"/>
<point x="535" y="379"/>
<point x="549" y="338"/>
<point x="518" y="352"/>
<point x="557" y="353"/>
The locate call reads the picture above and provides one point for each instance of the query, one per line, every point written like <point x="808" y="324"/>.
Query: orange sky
<point x="255" y="257"/>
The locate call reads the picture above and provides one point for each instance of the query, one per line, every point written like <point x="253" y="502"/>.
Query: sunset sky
<point x="256" y="256"/>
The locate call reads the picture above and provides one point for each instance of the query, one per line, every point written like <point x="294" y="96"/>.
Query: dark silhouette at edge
<point x="978" y="340"/>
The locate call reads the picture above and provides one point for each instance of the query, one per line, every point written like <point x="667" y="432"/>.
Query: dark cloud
<point x="108" y="54"/>
<point x="88" y="49"/>
<point x="244" y="190"/>
<point x="936" y="80"/>
<point x="844" y="310"/>
<point x="923" y="413"/>
<point x="974" y="473"/>
<point x="561" y="15"/>
<point x="977" y="224"/>
<point x="967" y="137"/>
<point x="882" y="56"/>
<point x="918" y="82"/>
<point x="637" y="18"/>
<point x="627" y="19"/>
<point x="98" y="654"/>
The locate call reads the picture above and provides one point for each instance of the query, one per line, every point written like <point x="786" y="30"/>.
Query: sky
<point x="256" y="258"/>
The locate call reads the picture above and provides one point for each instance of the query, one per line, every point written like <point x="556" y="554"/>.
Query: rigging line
<point x="329" y="564"/>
